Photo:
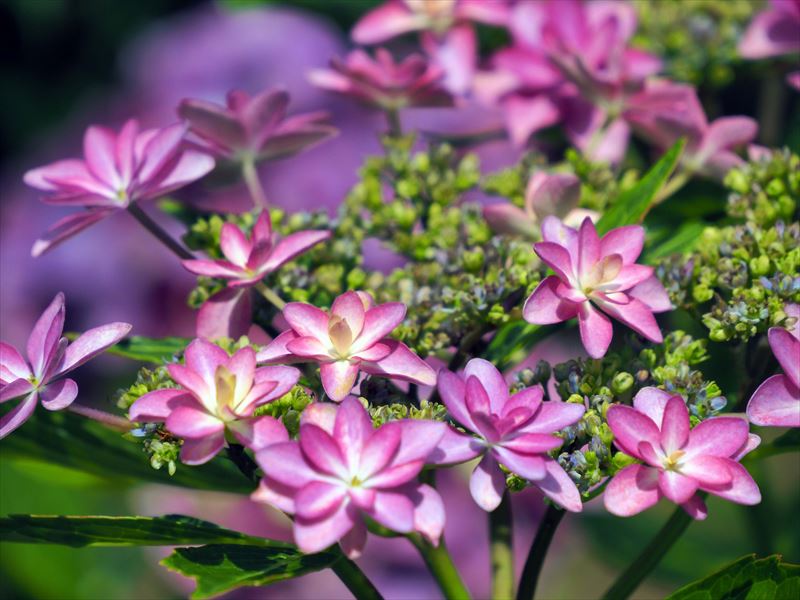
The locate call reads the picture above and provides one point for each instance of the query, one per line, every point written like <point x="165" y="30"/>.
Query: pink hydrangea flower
<point x="254" y="128"/>
<point x="117" y="169"/>
<point x="547" y="194"/>
<point x="384" y="83"/>
<point x="595" y="276"/>
<point x="513" y="431"/>
<point x="50" y="357"/>
<point x="678" y="461"/>
<point x="776" y="402"/>
<point x="342" y="468"/>
<point x="774" y="32"/>
<point x="348" y="340"/>
<point x="217" y="393"/>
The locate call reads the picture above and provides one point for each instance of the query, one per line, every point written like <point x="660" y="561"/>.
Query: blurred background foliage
<point x="57" y="52"/>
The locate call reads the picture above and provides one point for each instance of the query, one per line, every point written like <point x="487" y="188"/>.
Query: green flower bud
<point x="621" y="383"/>
<point x="760" y="266"/>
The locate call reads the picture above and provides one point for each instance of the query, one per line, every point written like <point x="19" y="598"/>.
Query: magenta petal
<point x="293" y="245"/>
<point x="321" y="414"/>
<point x="477" y="398"/>
<point x="595" y="329"/>
<point x="276" y="494"/>
<point x="558" y="486"/>
<point x="202" y="450"/>
<point x="556" y="257"/>
<point x="213" y="268"/>
<point x="45" y="335"/>
<point x="632" y="490"/>
<point x="552" y="194"/>
<point x="204" y="358"/>
<point x="718" y="436"/>
<point x="676" y="487"/>
<point x="492" y="381"/>
<point x="192" y="423"/>
<point x="652" y="402"/>
<point x="554" y="416"/>
<point x="227" y="313"/>
<point x="631" y="427"/>
<point x="529" y="399"/>
<point x="386" y="21"/>
<point x="59" y="395"/>
<point x="675" y="425"/>
<point x="403" y="364"/>
<point x="776" y="403"/>
<point x="91" y="343"/>
<point x="394" y="476"/>
<point x="350" y="308"/>
<point x="632" y="313"/>
<point x="15" y="389"/>
<point x="259" y="432"/>
<point x="191" y="381"/>
<point x="786" y="349"/>
<point x="308" y="347"/>
<point x="318" y="499"/>
<point x="652" y="294"/>
<point x="322" y="451"/>
<point x="353" y="542"/>
<point x="277" y="350"/>
<point x="696" y="508"/>
<point x="285" y="463"/>
<point x="352" y="429"/>
<point x="67" y="227"/>
<point x="190" y="167"/>
<point x="429" y="513"/>
<point x="626" y="241"/>
<point x="285" y="378"/>
<point x="418" y="439"/>
<point x="506" y="218"/>
<point x="378" y="451"/>
<point x="315" y="535"/>
<point x="18" y="415"/>
<point x="487" y="484"/>
<point x="48" y="178"/>
<point x="452" y="389"/>
<point x="99" y="148"/>
<point x="530" y="467"/>
<point x="533" y="443"/>
<point x="235" y="246"/>
<point x="454" y="448"/>
<point x="307" y="320"/>
<point x="708" y="470"/>
<point x="374" y="353"/>
<point x="394" y="511"/>
<point x="12" y="365"/>
<point x="544" y="306"/>
<point x="156" y="406"/>
<point x="379" y="322"/>
<point x="160" y="147"/>
<point x="338" y="378"/>
<point x="213" y="123"/>
<point x="742" y="489"/>
<point x="771" y="33"/>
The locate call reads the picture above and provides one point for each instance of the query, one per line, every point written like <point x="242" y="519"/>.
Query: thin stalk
<point x="541" y="543"/>
<point x="441" y="566"/>
<point x="355" y="579"/>
<point x="502" y="555"/>
<point x="639" y="569"/>
<point x="393" y="121"/>
<point x="271" y="296"/>
<point x="250" y="176"/>
<point x="158" y="232"/>
<point x="101" y="416"/>
<point x="673" y="185"/>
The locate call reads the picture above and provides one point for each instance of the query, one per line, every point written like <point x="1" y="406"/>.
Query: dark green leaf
<point x="512" y="342"/>
<point x="78" y="532"/>
<point x="670" y="240"/>
<point x="632" y="205"/>
<point x="71" y="441"/>
<point x="152" y="350"/>
<point x="748" y="578"/>
<point x="220" y="568"/>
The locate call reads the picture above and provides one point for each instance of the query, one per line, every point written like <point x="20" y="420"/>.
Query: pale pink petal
<point x="742" y="489"/>
<point x="259" y="432"/>
<point x="349" y="307"/>
<point x="352" y="428"/>
<point x="652" y="294"/>
<point x="455" y="447"/>
<point x="557" y="486"/>
<point x="45" y="335"/>
<point x="213" y="123"/>
<point x="506" y="218"/>
<point x="595" y="329"/>
<point x="159" y="148"/>
<point x="307" y="320"/>
<point x="193" y="423"/>
<point x="675" y="425"/>
<point x="204" y="358"/>
<point x="676" y="487"/>
<point x="394" y="511"/>
<point x="189" y="167"/>
<point x="308" y="348"/>
<point x="418" y="439"/>
<point x="99" y="149"/>
<point x="384" y="22"/>
<point x="49" y="177"/>
<point x="652" y="401"/>
<point x="378" y="451"/>
<point x="12" y="365"/>
<point x="213" y="268"/>
<point x="588" y="246"/>
<point x="291" y="246"/>
<point x="338" y="378"/>
<point x="202" y="450"/>
<point x="631" y="312"/>
<point x="718" y="436"/>
<point x="321" y="414"/>
<point x="626" y="241"/>
<point x="91" y="343"/>
<point x="285" y="378"/>
<point x="630" y="427"/>
<point x="776" y="403"/>
<point x="487" y="484"/>
<point x="429" y="513"/>
<point x="227" y="314"/>
<point x="753" y="442"/>
<point x="403" y="364"/>
<point x="157" y="405"/>
<point x="286" y="464"/>
<point x="394" y="476"/>
<point x="525" y="116"/>
<point x="316" y="535"/>
<point x="492" y="381"/>
<point x="708" y="470"/>
<point x="59" y="395"/>
<point x="544" y="306"/>
<point x="554" y="231"/>
<point x="15" y="389"/>
<point x="786" y="349"/>
<point x="696" y="508"/>
<point x="532" y="443"/>
<point x="235" y="246"/>
<point x="374" y="353"/>
<point x="770" y="33"/>
<point x="632" y="490"/>
<point x="18" y="415"/>
<point x="554" y="416"/>
<point x="379" y="322"/>
<point x="452" y="389"/>
<point x="319" y="499"/>
<point x="276" y="494"/>
<point x="322" y="451"/>
<point x="628" y="277"/>
<point x="353" y="541"/>
<point x="277" y="350"/>
<point x="528" y="466"/>
<point x="67" y="227"/>
<point x="558" y="258"/>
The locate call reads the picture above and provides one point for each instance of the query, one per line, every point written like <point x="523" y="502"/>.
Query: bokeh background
<point x="67" y="63"/>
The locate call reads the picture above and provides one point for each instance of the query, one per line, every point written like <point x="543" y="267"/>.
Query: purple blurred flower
<point x="776" y="402"/>
<point x="596" y="273"/>
<point x="351" y="339"/>
<point x="50" y="357"/>
<point x="384" y="83"/>
<point x="117" y="169"/>
<point x="678" y="461"/>
<point x="513" y="431"/>
<point x="218" y="393"/>
<point x="342" y="468"/>
<point x="774" y="32"/>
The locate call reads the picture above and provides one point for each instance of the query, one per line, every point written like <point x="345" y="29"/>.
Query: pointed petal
<point x="477" y="399"/>
<point x="213" y="123"/>
<point x="544" y="306"/>
<point x="67" y="227"/>
<point x="454" y="447"/>
<point x="528" y="398"/>
<point x="651" y="402"/>
<point x="160" y="148"/>
<point x="293" y="245"/>
<point x="403" y="364"/>
<point x="46" y="334"/>
<point x="631" y="427"/>
<point x="632" y="313"/>
<point x="676" y="487"/>
<point x="505" y="218"/>
<point x="632" y="490"/>
<point x="526" y="466"/>
<point x="559" y="487"/>
<point x="59" y="394"/>
<point x="394" y="476"/>
<point x="770" y="33"/>
<point x="322" y="452"/>
<point x="776" y="403"/>
<point x="15" y="389"/>
<point x="284" y="377"/>
<point x="157" y="405"/>
<point x="213" y="268"/>
<point x="285" y="463"/>
<point x="596" y="330"/>
<point x="91" y="343"/>
<point x="99" y="149"/>
<point x="307" y="320"/>
<point x="321" y="414"/>
<point x="319" y="499"/>
<point x="200" y="451"/>
<point x="708" y="470"/>
<point x="557" y="258"/>
<point x="718" y="436"/>
<point x="742" y="489"/>
<point x="227" y="314"/>
<point x="554" y="416"/>
<point x="315" y="535"/>
<point x="191" y="422"/>
<point x="204" y="358"/>
<point x="532" y="443"/>
<point x="418" y="439"/>
<point x="18" y="415"/>
<point x="277" y="350"/>
<point x="452" y="389"/>
<point x="675" y="425"/>
<point x="349" y="307"/>
<point x="338" y="378"/>
<point x="259" y="432"/>
<point x="235" y="246"/>
<point x="552" y="194"/>
<point x="12" y="365"/>
<point x="626" y="241"/>
<point x="492" y="381"/>
<point x="394" y="511"/>
<point x="352" y="428"/>
<point x="379" y="322"/>
<point x="275" y="494"/>
<point x="187" y="168"/>
<point x="487" y="484"/>
<point x="786" y="349"/>
<point x="652" y="294"/>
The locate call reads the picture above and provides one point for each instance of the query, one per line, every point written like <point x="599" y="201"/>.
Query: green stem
<point x="393" y="121"/>
<point x="536" y="556"/>
<point x="271" y="296"/>
<point x="441" y="567"/>
<point x="157" y="231"/>
<point x="250" y="176"/>
<point x="639" y="569"/>
<point x="355" y="579"/>
<point x="502" y="555"/>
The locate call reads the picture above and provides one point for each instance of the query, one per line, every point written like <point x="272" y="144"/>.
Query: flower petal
<point x="454" y="447"/>
<point x="193" y="423"/>
<point x="284" y="377"/>
<point x="559" y="487"/>
<point x="18" y="415"/>
<point x="322" y="451"/>
<point x="213" y="123"/>
<point x="786" y="348"/>
<point x="12" y="365"/>
<point x="492" y="381"/>
<point x="235" y="246"/>
<point x="556" y="257"/>
<point x="157" y="405"/>
<point x="352" y="429"/>
<point x="397" y="475"/>
<point x="276" y="494"/>
<point x="718" y="436"/>
<point x="277" y="350"/>
<point x="227" y="314"/>
<point x="544" y="306"/>
<point x="632" y="490"/>
<point x="338" y="378"/>
<point x="394" y="510"/>
<point x="708" y="470"/>
<point x="776" y="403"/>
<point x="15" y="389"/>
<point x="626" y="241"/>
<point x="595" y="329"/>
<point x="318" y="499"/>
<point x="99" y="149"/>
<point x="676" y="487"/>
<point x="675" y="425"/>
<point x="378" y="451"/>
<point x="315" y="535"/>
<point x="419" y="438"/>
<point x="91" y="343"/>
<point x="204" y="358"/>
<point x="742" y="489"/>
<point x="321" y="414"/>
<point x="353" y="542"/>
<point x="202" y="450"/>
<point x="401" y="363"/>
<point x="429" y="513"/>
<point x="45" y="335"/>
<point x="291" y="246"/>
<point x="308" y="347"/>
<point x="652" y="294"/>
<point x="527" y="466"/>
<point x="379" y="322"/>
<point x="307" y="320"/>
<point x="384" y="22"/>
<point x="533" y="443"/>
<point x="630" y="427"/>
<point x="631" y="312"/>
<point x="487" y="484"/>
<point x="59" y="394"/>
<point x="452" y="389"/>
<point x="286" y="464"/>
<point x="259" y="432"/>
<point x="696" y="508"/>
<point x="652" y="401"/>
<point x="213" y="268"/>
<point x="350" y="308"/>
<point x="554" y="416"/>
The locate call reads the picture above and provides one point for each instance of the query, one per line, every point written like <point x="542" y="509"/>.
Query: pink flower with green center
<point x="50" y="357"/>
<point x="255" y="128"/>
<point x="342" y="469"/>
<point x="776" y="402"/>
<point x="218" y="393"/>
<point x="348" y="340"/>
<point x="515" y="431"/>
<point x="678" y="461"/>
<point x="117" y="169"/>
<point x="595" y="276"/>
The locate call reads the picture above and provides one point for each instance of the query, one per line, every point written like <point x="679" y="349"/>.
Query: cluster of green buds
<point x="430" y="411"/>
<point x="766" y="190"/>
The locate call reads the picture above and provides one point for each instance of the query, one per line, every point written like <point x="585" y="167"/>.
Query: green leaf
<point x="632" y="205"/>
<point x="78" y="532"/>
<point x="220" y="568"/>
<point x="68" y="440"/>
<point x="512" y="342"/>
<point x="673" y="241"/>
<point x="152" y="350"/>
<point x="748" y="578"/>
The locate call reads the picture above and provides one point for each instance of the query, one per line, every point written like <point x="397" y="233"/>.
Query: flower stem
<point x="250" y="175"/>
<point x="393" y="121"/>
<point x="541" y="543"/>
<point x="271" y="296"/>
<point x="157" y="231"/>
<point x="441" y="566"/>
<point x="101" y="416"/>
<point x="639" y="569"/>
<point x="502" y="555"/>
<point x="355" y="579"/>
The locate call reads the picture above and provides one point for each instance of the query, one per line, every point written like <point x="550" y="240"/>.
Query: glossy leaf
<point x="152" y="350"/>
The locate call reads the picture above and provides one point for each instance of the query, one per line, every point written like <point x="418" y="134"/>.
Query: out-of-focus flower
<point x="342" y="468"/>
<point x="50" y="357"/>
<point x="384" y="83"/>
<point x="776" y="402"/>
<point x="774" y="32"/>
<point x="547" y="194"/>
<point x="596" y="273"/>
<point x="254" y="128"/>
<point x="218" y="393"/>
<point x="117" y="169"/>
<point x="351" y="339"/>
<point x="679" y="461"/>
<point x="513" y="431"/>
<point x="447" y="34"/>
